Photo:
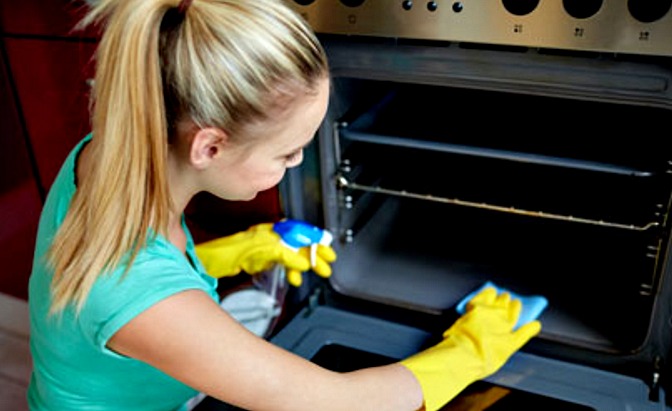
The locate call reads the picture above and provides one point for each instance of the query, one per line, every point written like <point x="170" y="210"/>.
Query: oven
<point x="524" y="142"/>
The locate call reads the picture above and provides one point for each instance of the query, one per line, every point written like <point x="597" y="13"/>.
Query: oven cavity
<point x="438" y="189"/>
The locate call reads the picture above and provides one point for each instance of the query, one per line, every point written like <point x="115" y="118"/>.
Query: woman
<point x="218" y="96"/>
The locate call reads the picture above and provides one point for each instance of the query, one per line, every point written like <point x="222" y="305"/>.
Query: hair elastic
<point x="183" y="6"/>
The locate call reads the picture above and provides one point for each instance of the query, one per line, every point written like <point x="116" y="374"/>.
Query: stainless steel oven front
<point x="524" y="142"/>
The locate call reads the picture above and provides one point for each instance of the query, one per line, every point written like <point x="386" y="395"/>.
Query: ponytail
<point x="216" y="63"/>
<point x="126" y="192"/>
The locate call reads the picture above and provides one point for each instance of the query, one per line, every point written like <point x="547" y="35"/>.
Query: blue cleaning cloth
<point x="533" y="305"/>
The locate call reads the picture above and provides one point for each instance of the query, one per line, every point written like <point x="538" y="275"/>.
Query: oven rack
<point x="343" y="183"/>
<point x="495" y="125"/>
<point x="485" y="152"/>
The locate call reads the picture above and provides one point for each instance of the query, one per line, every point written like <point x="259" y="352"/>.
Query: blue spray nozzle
<point x="297" y="234"/>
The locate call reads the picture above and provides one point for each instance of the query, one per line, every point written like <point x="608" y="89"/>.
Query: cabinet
<point x="44" y="100"/>
<point x="50" y="78"/>
<point x="20" y="200"/>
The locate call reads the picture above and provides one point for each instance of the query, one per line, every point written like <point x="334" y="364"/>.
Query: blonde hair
<point x="219" y="63"/>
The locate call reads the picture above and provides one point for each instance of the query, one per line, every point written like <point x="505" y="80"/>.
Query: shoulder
<point x="64" y="185"/>
<point x="156" y="273"/>
<point x="58" y="199"/>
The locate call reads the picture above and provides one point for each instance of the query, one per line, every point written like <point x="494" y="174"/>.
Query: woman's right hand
<point x="477" y="345"/>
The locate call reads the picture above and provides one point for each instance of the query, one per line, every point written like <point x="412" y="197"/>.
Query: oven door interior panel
<point x="440" y="189"/>
<point x="343" y="341"/>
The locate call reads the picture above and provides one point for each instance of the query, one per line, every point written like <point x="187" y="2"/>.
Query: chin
<point x="238" y="197"/>
<point x="248" y="198"/>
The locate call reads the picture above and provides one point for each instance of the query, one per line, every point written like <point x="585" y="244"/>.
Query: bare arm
<point x="191" y="338"/>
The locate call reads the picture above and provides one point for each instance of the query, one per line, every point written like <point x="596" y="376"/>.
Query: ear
<point x="206" y="146"/>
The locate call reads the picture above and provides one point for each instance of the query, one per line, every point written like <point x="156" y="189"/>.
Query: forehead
<point x="293" y="121"/>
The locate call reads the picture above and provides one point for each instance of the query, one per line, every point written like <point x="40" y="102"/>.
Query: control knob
<point x="520" y="7"/>
<point x="352" y="3"/>
<point x="582" y="9"/>
<point x="648" y="11"/>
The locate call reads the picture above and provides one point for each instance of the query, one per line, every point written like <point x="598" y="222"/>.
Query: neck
<point x="181" y="192"/>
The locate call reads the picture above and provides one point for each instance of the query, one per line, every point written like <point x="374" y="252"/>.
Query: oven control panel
<point x="612" y="26"/>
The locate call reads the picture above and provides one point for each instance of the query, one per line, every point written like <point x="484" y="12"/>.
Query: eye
<point x="294" y="158"/>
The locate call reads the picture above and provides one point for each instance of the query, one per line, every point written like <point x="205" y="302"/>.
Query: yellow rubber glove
<point x="476" y="346"/>
<point x="257" y="249"/>
<point x="323" y="256"/>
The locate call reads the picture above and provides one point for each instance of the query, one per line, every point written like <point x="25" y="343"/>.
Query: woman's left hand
<point x="257" y="249"/>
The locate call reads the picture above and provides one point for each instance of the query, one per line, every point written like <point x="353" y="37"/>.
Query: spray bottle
<point x="297" y="234"/>
<point x="259" y="308"/>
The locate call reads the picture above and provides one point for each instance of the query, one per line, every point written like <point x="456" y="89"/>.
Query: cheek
<point x="263" y="179"/>
<point x="275" y="178"/>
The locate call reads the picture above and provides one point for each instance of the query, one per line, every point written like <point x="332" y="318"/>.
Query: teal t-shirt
<point x="72" y="368"/>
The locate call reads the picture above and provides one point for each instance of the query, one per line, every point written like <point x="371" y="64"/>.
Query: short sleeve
<point x="156" y="274"/>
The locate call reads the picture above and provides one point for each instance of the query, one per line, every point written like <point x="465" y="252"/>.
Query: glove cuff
<point x="443" y="373"/>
